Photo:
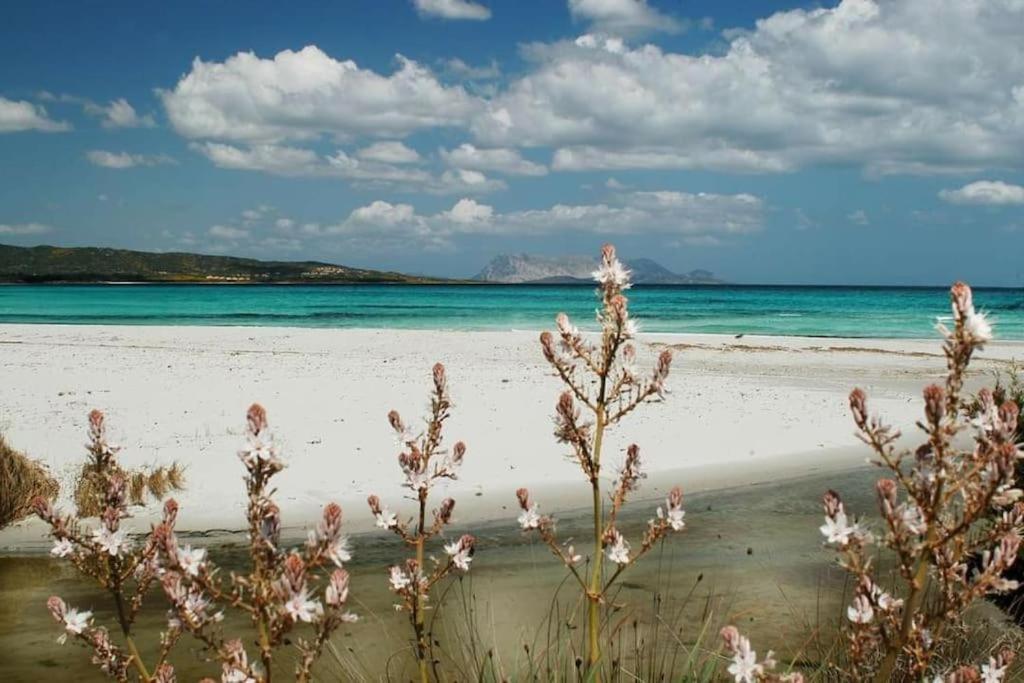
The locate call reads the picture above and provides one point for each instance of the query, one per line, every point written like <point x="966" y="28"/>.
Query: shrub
<point x="21" y="481"/>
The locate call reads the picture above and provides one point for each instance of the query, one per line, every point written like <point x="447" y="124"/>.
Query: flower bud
<point x="395" y="420"/>
<point x="294" y="572"/>
<point x="962" y="300"/>
<point x="458" y="452"/>
<point x="547" y="343"/>
<point x="934" y="404"/>
<point x="445" y="513"/>
<point x="57" y="608"/>
<point x="731" y="638"/>
<point x="256" y="417"/>
<point x="524" y="498"/>
<point x="439" y="378"/>
<point x="374" y="503"/>
<point x="170" y="511"/>
<point x="337" y="590"/>
<point x="859" y="407"/>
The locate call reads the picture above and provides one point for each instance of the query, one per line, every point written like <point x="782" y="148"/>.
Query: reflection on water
<point x="754" y="553"/>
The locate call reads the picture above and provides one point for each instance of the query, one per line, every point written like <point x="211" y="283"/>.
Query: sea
<point x="879" y="312"/>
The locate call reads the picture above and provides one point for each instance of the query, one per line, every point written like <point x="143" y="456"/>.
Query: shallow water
<point x="753" y="555"/>
<point x="893" y="312"/>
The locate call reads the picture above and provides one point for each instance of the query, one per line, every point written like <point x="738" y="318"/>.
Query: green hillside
<point x="95" y="264"/>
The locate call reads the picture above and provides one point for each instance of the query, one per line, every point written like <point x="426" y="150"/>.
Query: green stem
<point x="420" y="617"/>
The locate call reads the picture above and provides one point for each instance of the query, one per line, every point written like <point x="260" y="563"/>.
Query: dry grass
<point x="21" y="480"/>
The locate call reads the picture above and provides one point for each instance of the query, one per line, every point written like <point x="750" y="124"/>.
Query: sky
<point x="859" y="142"/>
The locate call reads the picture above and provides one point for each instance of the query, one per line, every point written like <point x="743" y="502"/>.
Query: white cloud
<point x="501" y="160"/>
<point x="990" y="192"/>
<point x="19" y="115"/>
<point x="690" y="218"/>
<point x="24" y="229"/>
<point x="389" y="152"/>
<point x="301" y="95"/>
<point x="299" y="162"/>
<point x="123" y="160"/>
<point x="453" y="9"/>
<point x="854" y="84"/>
<point x="858" y="217"/>
<point x="228" y="232"/>
<point x="460" y="69"/>
<point x="624" y="17"/>
<point x="118" y="114"/>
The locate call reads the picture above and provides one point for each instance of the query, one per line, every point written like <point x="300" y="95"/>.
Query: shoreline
<point x="755" y="409"/>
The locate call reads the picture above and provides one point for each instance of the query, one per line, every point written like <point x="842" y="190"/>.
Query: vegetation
<point x="21" y="481"/>
<point x="951" y="512"/>
<point x="95" y="264"/>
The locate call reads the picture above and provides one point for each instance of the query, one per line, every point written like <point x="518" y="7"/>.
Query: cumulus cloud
<point x="300" y="162"/>
<point x="20" y="229"/>
<point x="858" y="217"/>
<point x="123" y="160"/>
<point x="460" y="69"/>
<point x="301" y="95"/>
<point x="228" y="232"/>
<point x="452" y="9"/>
<point x="500" y="159"/>
<point x="679" y="216"/>
<point x="19" y="115"/>
<point x="852" y="84"/>
<point x="622" y="16"/>
<point x="119" y="114"/>
<point x="389" y="152"/>
<point x="985" y="192"/>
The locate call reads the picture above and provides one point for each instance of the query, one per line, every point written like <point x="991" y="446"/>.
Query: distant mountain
<point x="92" y="264"/>
<point x="523" y="268"/>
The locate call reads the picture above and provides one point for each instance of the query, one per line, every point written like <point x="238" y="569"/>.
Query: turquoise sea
<point x="814" y="311"/>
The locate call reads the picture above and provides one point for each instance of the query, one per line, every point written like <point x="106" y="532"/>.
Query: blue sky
<point x="874" y="142"/>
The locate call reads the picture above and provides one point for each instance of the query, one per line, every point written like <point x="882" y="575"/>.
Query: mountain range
<point x="527" y="268"/>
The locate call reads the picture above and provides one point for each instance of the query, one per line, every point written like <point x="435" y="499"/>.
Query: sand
<point x="740" y="410"/>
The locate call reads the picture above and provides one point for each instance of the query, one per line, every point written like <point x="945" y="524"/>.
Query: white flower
<point x="571" y="556"/>
<point x="744" y="667"/>
<point x="529" y="518"/>
<point x="340" y="551"/>
<point x="233" y="675"/>
<point x="860" y="612"/>
<point x="62" y="548"/>
<point x="884" y="601"/>
<point x="978" y="327"/>
<point x="612" y="272"/>
<point x="630" y="329"/>
<point x="191" y="561"/>
<point x="461" y="554"/>
<point x="75" y="621"/>
<point x="838" y="529"/>
<point x="399" y="579"/>
<point x="992" y="672"/>
<point x="111" y="542"/>
<point x="674" y="517"/>
<point x="300" y="607"/>
<point x="912" y="519"/>
<point x="386" y="519"/>
<point x="618" y="551"/>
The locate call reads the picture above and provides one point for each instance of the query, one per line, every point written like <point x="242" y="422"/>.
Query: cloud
<point x="302" y="95"/>
<point x="452" y="9"/>
<point x="123" y="160"/>
<point x="300" y="162"/>
<point x="858" y="217"/>
<point x="118" y="114"/>
<point x="19" y="115"/>
<point x="622" y="17"/>
<point x="500" y="160"/>
<point x="852" y="85"/>
<point x="460" y="69"/>
<point x="228" y="232"/>
<point x="24" y="229"/>
<point x="680" y="216"/>
<point x="985" y="192"/>
<point x="389" y="152"/>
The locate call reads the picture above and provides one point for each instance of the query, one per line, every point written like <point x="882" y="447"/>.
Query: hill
<point x="97" y="264"/>
<point x="527" y="268"/>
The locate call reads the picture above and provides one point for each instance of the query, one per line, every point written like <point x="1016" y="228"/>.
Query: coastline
<point x="754" y="409"/>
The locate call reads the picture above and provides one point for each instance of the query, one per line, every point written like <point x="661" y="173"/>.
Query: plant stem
<point x="594" y="592"/>
<point x="420" y="619"/>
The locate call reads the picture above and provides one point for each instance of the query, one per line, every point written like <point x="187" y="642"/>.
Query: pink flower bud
<point x="294" y="572"/>
<point x="445" y="513"/>
<point x="439" y="378"/>
<point x="395" y="420"/>
<point x="832" y="503"/>
<point x="374" y="503"/>
<point x="731" y="638"/>
<point x="337" y="590"/>
<point x="458" y="452"/>
<point x="524" y="498"/>
<point x="256" y="418"/>
<point x="859" y="407"/>
<point x="547" y="343"/>
<point x="962" y="299"/>
<point x="57" y="608"/>
<point x="934" y="404"/>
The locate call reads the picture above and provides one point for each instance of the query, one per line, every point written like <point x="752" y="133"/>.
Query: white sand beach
<point x="740" y="410"/>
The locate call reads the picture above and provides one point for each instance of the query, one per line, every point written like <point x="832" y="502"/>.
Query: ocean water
<point x="894" y="312"/>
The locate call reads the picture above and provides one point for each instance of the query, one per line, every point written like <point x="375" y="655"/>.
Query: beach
<point x="740" y="411"/>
